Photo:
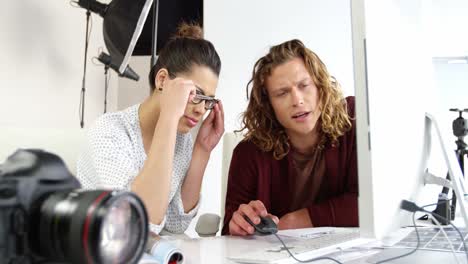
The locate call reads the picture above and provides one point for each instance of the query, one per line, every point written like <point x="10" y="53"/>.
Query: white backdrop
<point x="41" y="53"/>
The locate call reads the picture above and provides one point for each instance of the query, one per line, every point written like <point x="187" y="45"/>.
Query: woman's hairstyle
<point x="184" y="50"/>
<point x="263" y="129"/>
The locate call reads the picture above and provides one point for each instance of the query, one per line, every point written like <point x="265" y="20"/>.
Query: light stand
<point x="122" y="26"/>
<point x="83" y="85"/>
<point x="460" y="130"/>
<point x="106" y="86"/>
<point x="456" y="180"/>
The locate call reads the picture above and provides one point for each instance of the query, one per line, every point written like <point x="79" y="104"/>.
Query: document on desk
<point x="308" y="233"/>
<point x="308" y="243"/>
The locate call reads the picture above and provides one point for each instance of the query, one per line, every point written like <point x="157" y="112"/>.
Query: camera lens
<point x="90" y="227"/>
<point x="118" y="234"/>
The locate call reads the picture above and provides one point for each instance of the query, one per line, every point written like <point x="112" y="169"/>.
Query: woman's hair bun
<point x="189" y="30"/>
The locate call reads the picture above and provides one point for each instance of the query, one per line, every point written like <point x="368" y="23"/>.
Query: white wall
<point x="42" y="49"/>
<point x="448" y="27"/>
<point x="132" y="92"/>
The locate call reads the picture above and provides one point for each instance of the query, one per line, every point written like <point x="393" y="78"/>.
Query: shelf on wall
<point x="451" y="59"/>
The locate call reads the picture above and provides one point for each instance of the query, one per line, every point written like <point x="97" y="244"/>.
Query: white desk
<point x="217" y="250"/>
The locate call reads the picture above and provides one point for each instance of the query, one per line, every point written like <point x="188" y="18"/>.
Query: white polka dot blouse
<point x="114" y="154"/>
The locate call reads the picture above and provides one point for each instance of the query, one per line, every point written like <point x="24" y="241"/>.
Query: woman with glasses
<point x="147" y="149"/>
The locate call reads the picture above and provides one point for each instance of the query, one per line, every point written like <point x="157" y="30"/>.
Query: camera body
<point x="25" y="179"/>
<point x="46" y="218"/>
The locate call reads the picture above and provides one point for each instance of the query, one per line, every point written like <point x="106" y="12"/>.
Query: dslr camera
<point x="46" y="218"/>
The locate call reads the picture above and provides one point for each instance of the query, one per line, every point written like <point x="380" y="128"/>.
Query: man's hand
<point x="295" y="220"/>
<point x="238" y="226"/>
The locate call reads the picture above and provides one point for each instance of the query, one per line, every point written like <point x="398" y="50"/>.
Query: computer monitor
<point x="394" y="90"/>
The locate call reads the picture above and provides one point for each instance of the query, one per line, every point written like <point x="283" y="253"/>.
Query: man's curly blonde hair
<point x="262" y="126"/>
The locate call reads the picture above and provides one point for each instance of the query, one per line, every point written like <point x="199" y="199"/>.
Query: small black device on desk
<point x="266" y="226"/>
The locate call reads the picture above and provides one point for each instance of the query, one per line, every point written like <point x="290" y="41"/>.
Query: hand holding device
<point x="266" y="226"/>
<point x="253" y="210"/>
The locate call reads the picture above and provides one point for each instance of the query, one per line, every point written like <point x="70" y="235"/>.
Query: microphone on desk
<point x="163" y="250"/>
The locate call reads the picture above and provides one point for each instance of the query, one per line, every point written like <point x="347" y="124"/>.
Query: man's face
<point x="294" y="97"/>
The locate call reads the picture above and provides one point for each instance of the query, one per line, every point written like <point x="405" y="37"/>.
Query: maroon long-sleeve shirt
<point x="256" y="175"/>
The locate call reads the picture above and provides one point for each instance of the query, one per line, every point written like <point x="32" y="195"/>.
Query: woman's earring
<point x="160" y="89"/>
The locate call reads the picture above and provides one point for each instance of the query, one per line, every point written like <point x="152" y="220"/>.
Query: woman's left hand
<point x="212" y="129"/>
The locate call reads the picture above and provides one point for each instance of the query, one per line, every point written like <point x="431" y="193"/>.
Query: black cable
<point x="450" y="223"/>
<point x="432" y="204"/>
<point x="410" y="252"/>
<point x="412" y="207"/>
<point x="458" y="231"/>
<point x="308" y="260"/>
<point x="425" y="217"/>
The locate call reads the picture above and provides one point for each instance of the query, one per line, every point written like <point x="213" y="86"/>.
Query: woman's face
<point x="294" y="97"/>
<point x="206" y="81"/>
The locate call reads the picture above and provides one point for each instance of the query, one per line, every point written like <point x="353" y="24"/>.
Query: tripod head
<point x="460" y="124"/>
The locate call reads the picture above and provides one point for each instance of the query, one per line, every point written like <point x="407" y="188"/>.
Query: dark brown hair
<point x="184" y="50"/>
<point x="263" y="129"/>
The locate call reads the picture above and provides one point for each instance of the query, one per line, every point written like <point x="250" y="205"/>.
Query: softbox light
<point x="122" y="26"/>
<point x="171" y="13"/>
<point x="123" y="23"/>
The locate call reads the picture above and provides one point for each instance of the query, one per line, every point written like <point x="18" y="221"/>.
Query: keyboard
<point x="433" y="239"/>
<point x="303" y="249"/>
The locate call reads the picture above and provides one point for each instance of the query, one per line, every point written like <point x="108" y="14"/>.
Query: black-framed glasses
<point x="199" y="96"/>
<point x="209" y="101"/>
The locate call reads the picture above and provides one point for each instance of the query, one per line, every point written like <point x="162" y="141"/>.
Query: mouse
<point x="266" y="226"/>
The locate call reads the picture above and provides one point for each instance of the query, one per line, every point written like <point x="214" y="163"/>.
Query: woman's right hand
<point x="176" y="94"/>
<point x="238" y="226"/>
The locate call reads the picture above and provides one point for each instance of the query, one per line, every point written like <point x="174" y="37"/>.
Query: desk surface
<point x="218" y="250"/>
